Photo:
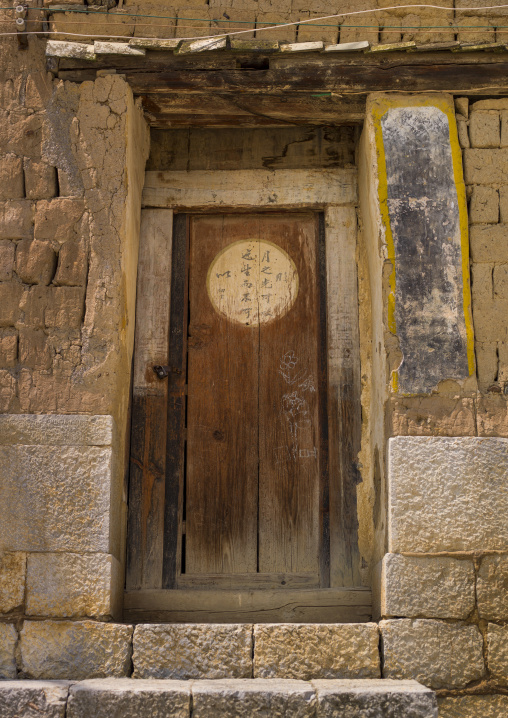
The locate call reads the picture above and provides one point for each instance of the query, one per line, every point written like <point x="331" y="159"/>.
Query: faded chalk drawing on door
<point x="252" y="282"/>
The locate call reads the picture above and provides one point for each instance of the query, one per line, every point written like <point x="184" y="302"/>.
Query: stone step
<point x="224" y="698"/>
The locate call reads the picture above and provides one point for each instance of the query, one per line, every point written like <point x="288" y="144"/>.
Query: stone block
<point x="75" y="650"/>
<point x="486" y="166"/>
<point x="497" y="653"/>
<point x="66" y="308"/>
<point x="305" y="651"/>
<point x="32" y="306"/>
<point x="72" y="265"/>
<point x="492" y="415"/>
<point x="34" y="349"/>
<point x="8" y="388"/>
<point x="462" y="106"/>
<point x="489" y="243"/>
<point x="8" y="348"/>
<point x="487" y="363"/>
<point x="10" y="296"/>
<point x="432" y="416"/>
<point x="258" y="697"/>
<point x="503" y="204"/>
<point x="437" y="654"/>
<point x="12" y="580"/>
<point x="11" y="177"/>
<point x="282" y="34"/>
<point x="504" y="128"/>
<point x="315" y="31"/>
<point x="485" y="128"/>
<point x="66" y="585"/>
<point x="184" y="651"/>
<point x="16" y="219"/>
<point x="430" y="587"/>
<point x="463" y="133"/>
<point x="57" y="219"/>
<point x="7" y="255"/>
<point x="33" y="699"/>
<point x="484" y="206"/>
<point x="40" y="180"/>
<point x="493" y="706"/>
<point x="129" y="698"/>
<point x="492" y="588"/>
<point x="35" y="262"/>
<point x="377" y="698"/>
<point x="447" y="494"/>
<point x="55" y="498"/>
<point x="8" y="640"/>
<point x="56" y="429"/>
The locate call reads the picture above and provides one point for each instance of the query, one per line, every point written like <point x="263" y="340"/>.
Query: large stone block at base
<point x="33" y="699"/>
<point x="447" y="494"/>
<point x="376" y="698"/>
<point x="492" y="588"/>
<point x="129" y="698"/>
<point x="64" y="585"/>
<point x="437" y="654"/>
<point x="183" y="651"/>
<point x="55" y="498"/>
<point x="258" y="697"/>
<point x="306" y="651"/>
<point x="8" y="640"/>
<point x="494" y="706"/>
<point x="497" y="652"/>
<point x="12" y="580"/>
<point x="75" y="651"/>
<point x="430" y="587"/>
<point x="56" y="430"/>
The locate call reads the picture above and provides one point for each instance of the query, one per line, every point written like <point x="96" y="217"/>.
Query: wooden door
<point x="255" y="494"/>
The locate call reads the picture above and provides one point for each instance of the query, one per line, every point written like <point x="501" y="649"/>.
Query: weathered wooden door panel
<point x="254" y="464"/>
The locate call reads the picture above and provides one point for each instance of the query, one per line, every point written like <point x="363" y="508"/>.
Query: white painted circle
<point x="252" y="282"/>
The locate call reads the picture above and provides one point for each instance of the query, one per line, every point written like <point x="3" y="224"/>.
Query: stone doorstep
<point x="231" y="698"/>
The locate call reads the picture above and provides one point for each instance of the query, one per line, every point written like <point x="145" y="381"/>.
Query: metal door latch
<point x="164" y="371"/>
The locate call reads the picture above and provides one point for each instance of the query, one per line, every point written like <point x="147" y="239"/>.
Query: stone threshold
<point x="137" y="698"/>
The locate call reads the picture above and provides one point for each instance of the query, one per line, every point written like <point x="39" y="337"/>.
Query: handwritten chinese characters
<point x="252" y="282"/>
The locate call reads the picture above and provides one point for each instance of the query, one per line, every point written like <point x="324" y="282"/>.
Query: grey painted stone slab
<point x="435" y="653"/>
<point x="254" y="697"/>
<point x="75" y="650"/>
<point x="8" y="640"/>
<point x="438" y="587"/>
<point x="129" y="698"/>
<point x="33" y="699"/>
<point x="304" y="651"/>
<point x="55" y="498"/>
<point x="377" y="698"/>
<point x="423" y="207"/>
<point x="447" y="494"/>
<point x="183" y="651"/>
<point x="56" y="429"/>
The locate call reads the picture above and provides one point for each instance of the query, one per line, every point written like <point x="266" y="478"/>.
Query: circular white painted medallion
<point x="252" y="282"/>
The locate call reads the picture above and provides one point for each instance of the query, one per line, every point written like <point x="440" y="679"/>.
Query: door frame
<point x="331" y="191"/>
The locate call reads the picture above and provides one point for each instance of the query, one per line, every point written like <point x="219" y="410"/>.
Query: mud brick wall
<point x="197" y="18"/>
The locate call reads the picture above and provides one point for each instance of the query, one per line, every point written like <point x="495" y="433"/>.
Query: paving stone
<point x="431" y="587"/>
<point x="75" y="650"/>
<point x="254" y="697"/>
<point x="497" y="653"/>
<point x="184" y="651"/>
<point x="64" y="585"/>
<point x="8" y="640"/>
<point x="129" y="698"/>
<point x="437" y="654"/>
<point x="12" y="580"/>
<point x="305" y="651"/>
<point x="33" y="699"/>
<point x="55" y="498"/>
<point x="374" y="699"/>
<point x="493" y="706"/>
<point x="447" y="494"/>
<point x="492" y="588"/>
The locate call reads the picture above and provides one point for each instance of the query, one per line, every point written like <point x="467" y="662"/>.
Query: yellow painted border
<point x="379" y="108"/>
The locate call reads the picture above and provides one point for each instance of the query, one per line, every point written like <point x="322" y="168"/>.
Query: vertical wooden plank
<point x="344" y="408"/>
<point x="290" y="521"/>
<point x="222" y="421"/>
<point x="175" y="445"/>
<point x="148" y="432"/>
